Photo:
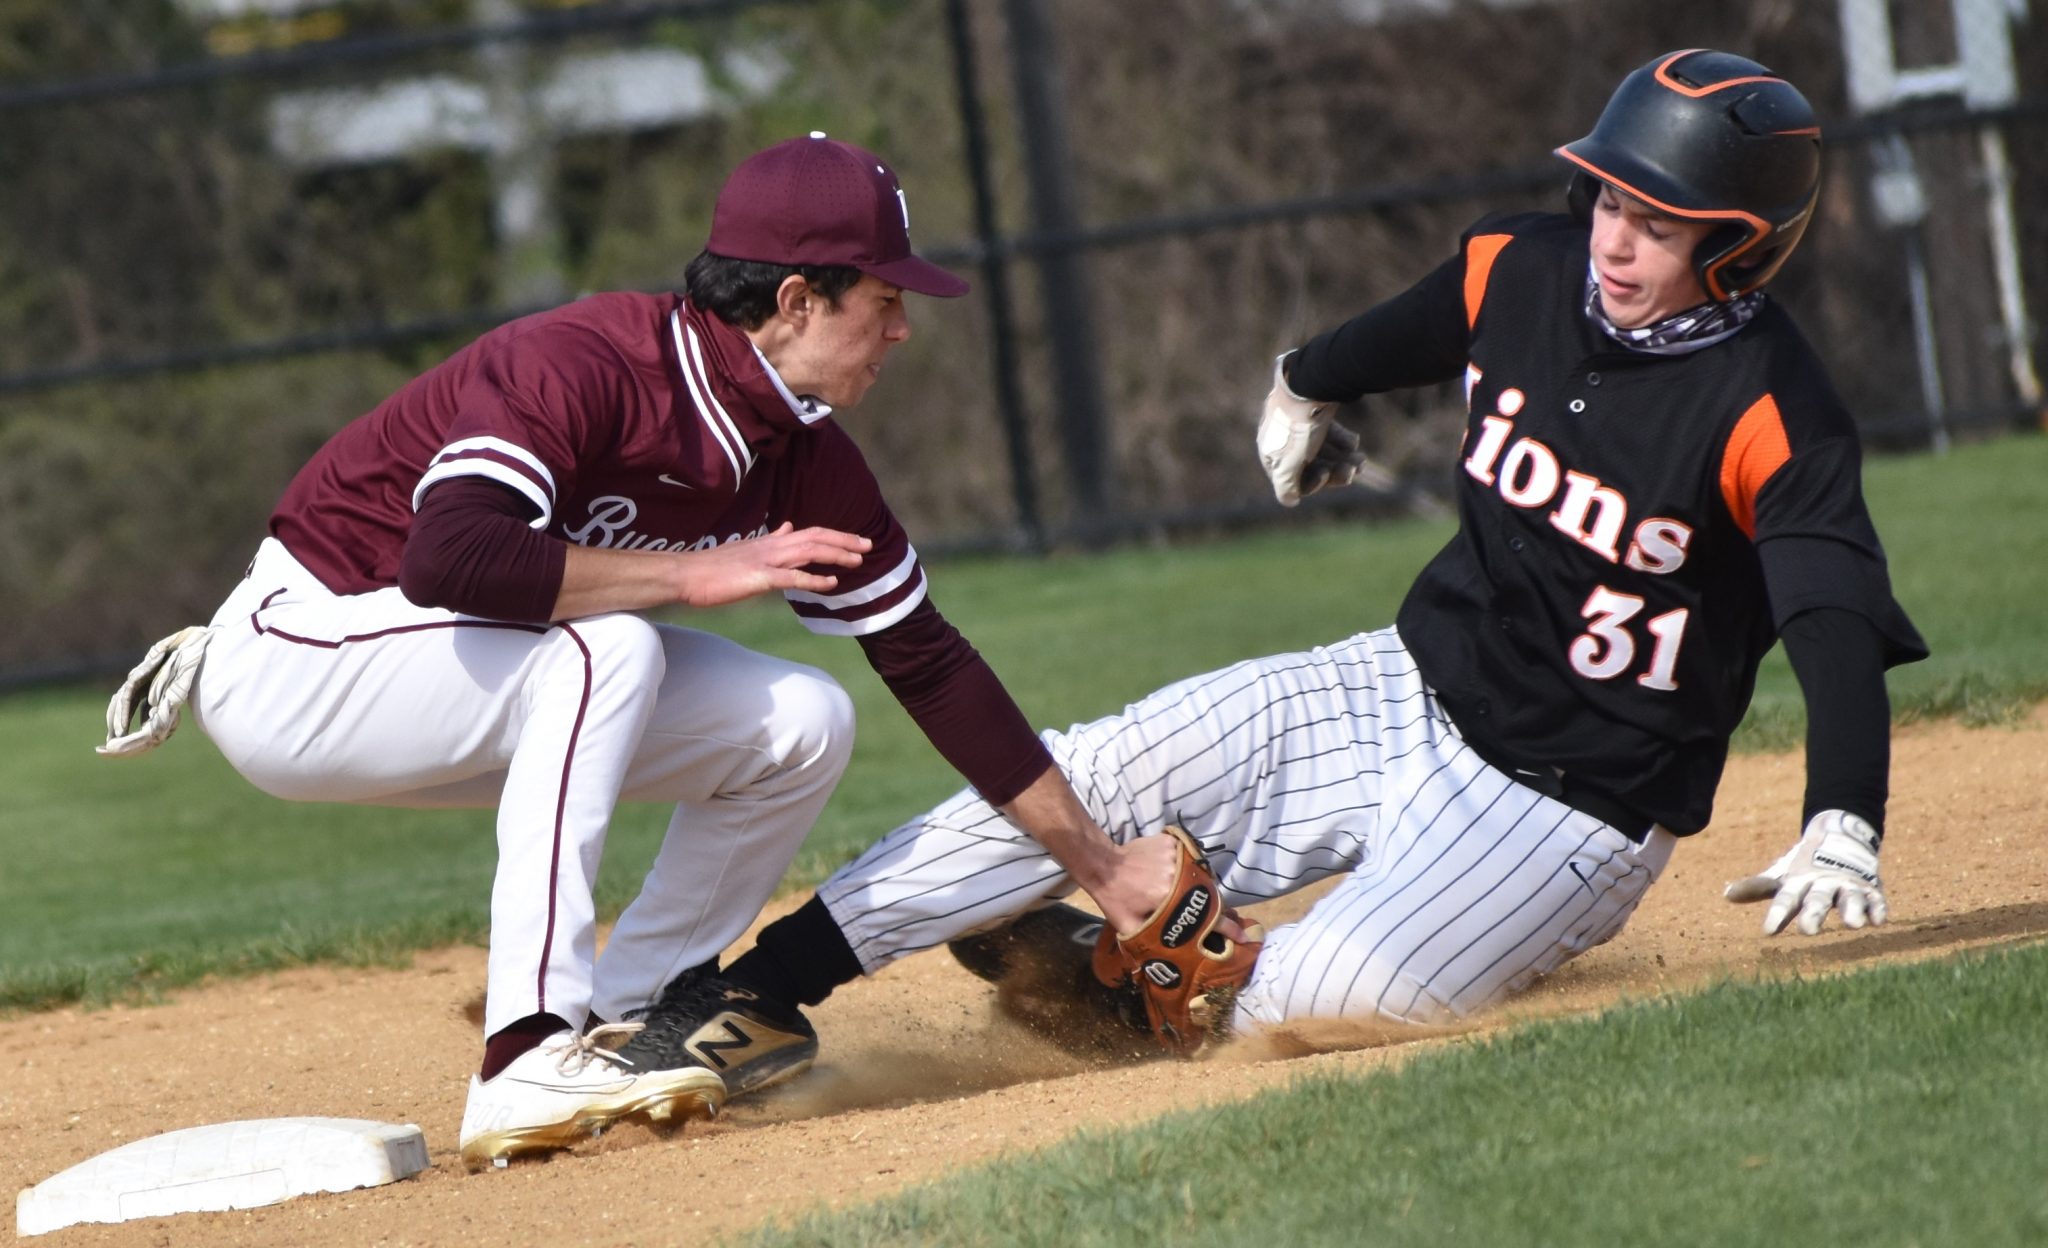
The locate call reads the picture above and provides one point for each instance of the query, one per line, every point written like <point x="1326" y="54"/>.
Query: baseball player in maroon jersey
<point x="443" y="615"/>
<point x="1657" y="483"/>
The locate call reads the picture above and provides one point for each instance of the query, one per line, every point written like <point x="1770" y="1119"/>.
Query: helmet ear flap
<point x="1709" y="256"/>
<point x="1724" y="279"/>
<point x="1579" y="196"/>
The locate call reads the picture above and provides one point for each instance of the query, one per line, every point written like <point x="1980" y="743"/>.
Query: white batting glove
<point x="1303" y="448"/>
<point x="158" y="687"/>
<point x="1291" y="430"/>
<point x="1833" y="867"/>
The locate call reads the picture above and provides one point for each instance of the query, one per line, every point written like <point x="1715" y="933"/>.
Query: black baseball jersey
<point x="1634" y="527"/>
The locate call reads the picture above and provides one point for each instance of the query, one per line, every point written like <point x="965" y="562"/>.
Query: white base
<point x="226" y="1165"/>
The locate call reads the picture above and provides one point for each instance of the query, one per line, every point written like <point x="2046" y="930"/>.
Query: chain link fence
<point x="229" y="228"/>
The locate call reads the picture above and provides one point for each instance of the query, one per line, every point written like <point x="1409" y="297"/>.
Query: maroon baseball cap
<point x="820" y="201"/>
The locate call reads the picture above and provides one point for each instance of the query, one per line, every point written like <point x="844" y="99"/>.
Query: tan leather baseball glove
<point x="1188" y="970"/>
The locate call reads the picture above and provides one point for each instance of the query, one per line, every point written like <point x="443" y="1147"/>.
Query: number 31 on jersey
<point x="1607" y="649"/>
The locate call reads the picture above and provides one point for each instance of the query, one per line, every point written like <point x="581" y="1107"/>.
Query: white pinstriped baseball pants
<point x="1461" y="886"/>
<point x="315" y="696"/>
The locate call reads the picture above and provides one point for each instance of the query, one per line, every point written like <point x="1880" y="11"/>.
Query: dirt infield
<point x="917" y="1076"/>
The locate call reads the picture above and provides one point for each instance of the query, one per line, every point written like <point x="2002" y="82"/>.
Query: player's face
<point x="839" y="354"/>
<point x="1644" y="260"/>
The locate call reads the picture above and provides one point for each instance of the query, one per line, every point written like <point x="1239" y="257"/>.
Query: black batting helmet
<point x="1712" y="137"/>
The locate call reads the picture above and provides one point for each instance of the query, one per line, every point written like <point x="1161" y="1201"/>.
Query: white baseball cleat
<point x="570" y="1088"/>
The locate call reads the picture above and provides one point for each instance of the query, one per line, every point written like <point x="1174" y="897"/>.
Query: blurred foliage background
<point x="188" y="308"/>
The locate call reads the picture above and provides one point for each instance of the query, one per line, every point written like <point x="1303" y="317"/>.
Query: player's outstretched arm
<point x="596" y="580"/>
<point x="1838" y="656"/>
<point x="1128" y="882"/>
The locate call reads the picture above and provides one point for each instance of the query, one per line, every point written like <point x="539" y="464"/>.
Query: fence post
<point x="1982" y="76"/>
<point x="995" y="282"/>
<point x="1069" y="322"/>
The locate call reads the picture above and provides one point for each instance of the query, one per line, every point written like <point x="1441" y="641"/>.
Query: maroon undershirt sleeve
<point x="472" y="549"/>
<point x="954" y="696"/>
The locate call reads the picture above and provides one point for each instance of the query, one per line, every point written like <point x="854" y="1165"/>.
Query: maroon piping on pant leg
<point x="271" y="630"/>
<point x="561" y="806"/>
<point x="575" y="732"/>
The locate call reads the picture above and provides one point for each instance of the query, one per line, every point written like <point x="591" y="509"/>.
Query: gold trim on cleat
<point x="692" y="1092"/>
<point x="784" y="1075"/>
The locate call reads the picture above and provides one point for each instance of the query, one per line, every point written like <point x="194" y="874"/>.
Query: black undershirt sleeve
<point x="1839" y="658"/>
<point x="1416" y="338"/>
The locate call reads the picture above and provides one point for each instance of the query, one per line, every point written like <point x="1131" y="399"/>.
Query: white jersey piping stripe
<point x="809" y="411"/>
<point x="732" y="430"/>
<point x="872" y="623"/>
<point x="699" y="395"/>
<point x="492" y="470"/>
<point x="511" y="450"/>
<point x="867" y="593"/>
<point x="702" y="399"/>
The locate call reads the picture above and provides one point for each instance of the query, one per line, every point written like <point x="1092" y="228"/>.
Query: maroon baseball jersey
<point x="629" y="421"/>
<point x="1634" y="527"/>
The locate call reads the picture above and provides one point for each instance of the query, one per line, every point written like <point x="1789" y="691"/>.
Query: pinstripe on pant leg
<point x="1484" y="884"/>
<point x="959" y="868"/>
<point x="1274" y="764"/>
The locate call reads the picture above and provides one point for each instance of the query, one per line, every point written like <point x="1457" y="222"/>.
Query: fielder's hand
<point x="1303" y="448"/>
<point x="157" y="688"/>
<point x="781" y="560"/>
<point x="1833" y="867"/>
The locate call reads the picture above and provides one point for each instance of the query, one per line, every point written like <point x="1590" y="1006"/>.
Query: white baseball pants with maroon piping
<point x="1460" y="885"/>
<point x="315" y="696"/>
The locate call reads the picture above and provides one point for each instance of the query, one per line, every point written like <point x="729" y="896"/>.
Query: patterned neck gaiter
<point x="1681" y="332"/>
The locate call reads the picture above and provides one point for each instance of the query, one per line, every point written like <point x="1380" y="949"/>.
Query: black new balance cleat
<point x="1042" y="964"/>
<point x="1050" y="942"/>
<point x="703" y="1020"/>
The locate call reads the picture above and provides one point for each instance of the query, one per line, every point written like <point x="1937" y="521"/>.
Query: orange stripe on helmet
<point x="1708" y="89"/>
<point x="1756" y="449"/>
<point x="1479" y="258"/>
<point x="1759" y="229"/>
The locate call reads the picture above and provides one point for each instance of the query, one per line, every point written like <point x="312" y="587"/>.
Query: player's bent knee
<point x="1405" y="999"/>
<point x="621" y="646"/>
<point x="818" y="715"/>
<point x="1370" y="993"/>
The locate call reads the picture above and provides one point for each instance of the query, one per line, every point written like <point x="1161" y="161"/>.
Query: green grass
<point x="1901" y="1106"/>
<point x="125" y="878"/>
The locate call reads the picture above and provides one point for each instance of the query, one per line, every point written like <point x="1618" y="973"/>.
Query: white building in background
<point x="1982" y="76"/>
<point x="513" y="109"/>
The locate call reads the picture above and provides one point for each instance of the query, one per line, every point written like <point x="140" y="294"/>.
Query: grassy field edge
<point x="1894" y="1105"/>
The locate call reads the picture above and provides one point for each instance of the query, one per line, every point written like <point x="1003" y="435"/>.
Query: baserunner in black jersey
<point x="1657" y="484"/>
